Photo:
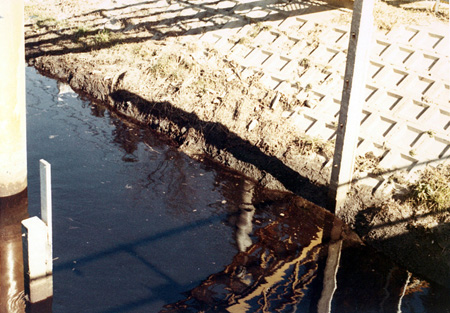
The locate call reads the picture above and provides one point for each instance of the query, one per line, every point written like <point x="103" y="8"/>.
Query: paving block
<point x="305" y="122"/>
<point x="380" y="48"/>
<point x="266" y="38"/>
<point x="441" y="120"/>
<point x="256" y="57"/>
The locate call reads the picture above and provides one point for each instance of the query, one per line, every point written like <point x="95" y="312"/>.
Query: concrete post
<point x="38" y="284"/>
<point x="13" y="155"/>
<point x="351" y="103"/>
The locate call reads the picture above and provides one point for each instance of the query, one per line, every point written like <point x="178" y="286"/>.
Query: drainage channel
<point x="140" y="227"/>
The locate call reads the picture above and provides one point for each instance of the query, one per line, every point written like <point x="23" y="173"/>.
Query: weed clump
<point x="103" y="36"/>
<point x="310" y="145"/>
<point x="257" y="28"/>
<point x="432" y="190"/>
<point x="46" y="22"/>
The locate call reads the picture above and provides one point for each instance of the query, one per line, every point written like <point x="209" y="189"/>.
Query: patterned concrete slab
<point x="299" y="48"/>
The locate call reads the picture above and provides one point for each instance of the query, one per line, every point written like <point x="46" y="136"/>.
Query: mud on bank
<point x="200" y="99"/>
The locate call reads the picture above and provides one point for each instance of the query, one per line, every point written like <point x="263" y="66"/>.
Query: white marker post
<point x="37" y="245"/>
<point x="46" y="209"/>
<point x="351" y="103"/>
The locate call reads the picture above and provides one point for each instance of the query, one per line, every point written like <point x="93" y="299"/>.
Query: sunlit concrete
<point x="13" y="155"/>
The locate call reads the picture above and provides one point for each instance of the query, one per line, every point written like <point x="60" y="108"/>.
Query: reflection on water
<point x="13" y="210"/>
<point x="244" y="223"/>
<point x="283" y="270"/>
<point x="139" y="227"/>
<point x="277" y="273"/>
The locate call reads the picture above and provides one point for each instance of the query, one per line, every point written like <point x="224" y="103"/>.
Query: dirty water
<point x="140" y="227"/>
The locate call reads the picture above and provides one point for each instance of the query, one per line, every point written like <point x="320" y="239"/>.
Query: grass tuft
<point x="46" y="22"/>
<point x="432" y="190"/>
<point x="103" y="36"/>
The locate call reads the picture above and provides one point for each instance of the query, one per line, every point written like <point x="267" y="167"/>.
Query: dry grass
<point x="431" y="191"/>
<point x="388" y="14"/>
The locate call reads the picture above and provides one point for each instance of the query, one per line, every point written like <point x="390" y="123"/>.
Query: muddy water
<point x="139" y="227"/>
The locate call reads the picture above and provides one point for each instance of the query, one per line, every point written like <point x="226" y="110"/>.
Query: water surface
<point x="136" y="223"/>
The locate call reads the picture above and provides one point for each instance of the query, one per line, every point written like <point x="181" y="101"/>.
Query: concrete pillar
<point x="13" y="155"/>
<point x="351" y="103"/>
